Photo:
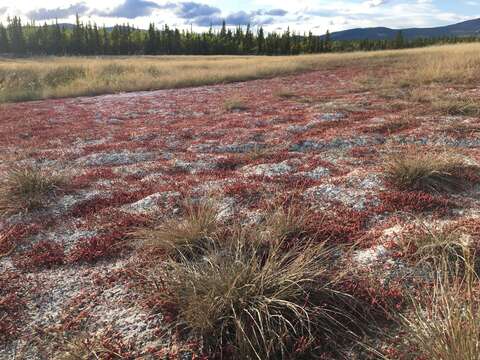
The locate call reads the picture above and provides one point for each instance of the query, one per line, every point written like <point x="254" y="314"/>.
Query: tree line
<point x="89" y="39"/>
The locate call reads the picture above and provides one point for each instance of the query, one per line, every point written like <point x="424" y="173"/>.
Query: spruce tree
<point x="399" y="41"/>
<point x="4" y="42"/>
<point x="327" y="44"/>
<point x="16" y="36"/>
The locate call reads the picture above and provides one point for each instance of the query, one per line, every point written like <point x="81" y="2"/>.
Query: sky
<point x="274" y="15"/>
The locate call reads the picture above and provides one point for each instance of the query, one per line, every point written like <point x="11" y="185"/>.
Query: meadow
<point x="327" y="210"/>
<point x="57" y="77"/>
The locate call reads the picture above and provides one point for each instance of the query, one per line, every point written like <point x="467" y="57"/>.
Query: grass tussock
<point x="447" y="327"/>
<point x="434" y="244"/>
<point x="285" y="94"/>
<point x="291" y="223"/>
<point x="25" y="188"/>
<point x="189" y="233"/>
<point x="461" y="129"/>
<point x="257" y="297"/>
<point x="436" y="98"/>
<point x="393" y="125"/>
<point x="457" y="106"/>
<point x="428" y="171"/>
<point x="247" y="292"/>
<point x="235" y="104"/>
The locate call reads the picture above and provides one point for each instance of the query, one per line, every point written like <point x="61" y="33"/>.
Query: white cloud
<point x="299" y="15"/>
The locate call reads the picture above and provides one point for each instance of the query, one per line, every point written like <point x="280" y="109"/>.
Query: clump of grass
<point x="114" y="70"/>
<point x="392" y="125"/>
<point x="434" y="243"/>
<point x="457" y="106"/>
<point x="448" y="326"/>
<point x="421" y="170"/>
<point x="189" y="233"/>
<point x="261" y="151"/>
<point x="81" y="345"/>
<point x="19" y="84"/>
<point x="285" y="94"/>
<point x="291" y="223"/>
<point x="63" y="75"/>
<point x="257" y="297"/>
<point x="461" y="129"/>
<point x="26" y="188"/>
<point x="235" y="104"/>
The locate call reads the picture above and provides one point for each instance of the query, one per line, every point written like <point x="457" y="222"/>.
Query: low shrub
<point x="43" y="255"/>
<point x="413" y="202"/>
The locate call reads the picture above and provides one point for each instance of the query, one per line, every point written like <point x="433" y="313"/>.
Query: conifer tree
<point x="399" y="41"/>
<point x="16" y="36"/>
<point x="327" y="44"/>
<point x="4" y="42"/>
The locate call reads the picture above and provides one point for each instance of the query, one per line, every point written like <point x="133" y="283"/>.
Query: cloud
<point x="239" y="18"/>
<point x="206" y="15"/>
<point x="191" y="10"/>
<point x="132" y="9"/>
<point x="276" y="12"/>
<point x="3" y="10"/>
<point x="57" y="13"/>
<point x="375" y="3"/>
<point x="214" y="20"/>
<point x="234" y="19"/>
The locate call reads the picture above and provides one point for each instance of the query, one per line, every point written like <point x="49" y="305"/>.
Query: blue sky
<point x="299" y="15"/>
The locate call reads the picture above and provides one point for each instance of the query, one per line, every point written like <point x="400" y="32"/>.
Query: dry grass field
<point x="43" y="78"/>
<point x="327" y="208"/>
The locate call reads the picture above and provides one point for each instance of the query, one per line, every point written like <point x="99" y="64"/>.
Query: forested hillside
<point x="90" y="39"/>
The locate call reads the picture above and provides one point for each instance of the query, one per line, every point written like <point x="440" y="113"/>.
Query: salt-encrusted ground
<point x="134" y="156"/>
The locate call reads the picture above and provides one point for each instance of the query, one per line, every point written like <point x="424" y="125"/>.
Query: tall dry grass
<point x="448" y="326"/>
<point x="452" y="64"/>
<point x="54" y="77"/>
<point x="28" y="188"/>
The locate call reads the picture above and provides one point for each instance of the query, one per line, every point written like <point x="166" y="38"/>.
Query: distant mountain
<point x="466" y="28"/>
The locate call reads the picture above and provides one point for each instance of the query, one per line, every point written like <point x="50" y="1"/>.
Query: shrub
<point x="28" y="188"/>
<point x="98" y="247"/>
<point x="421" y="170"/>
<point x="43" y="255"/>
<point x="13" y="294"/>
<point x="186" y="234"/>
